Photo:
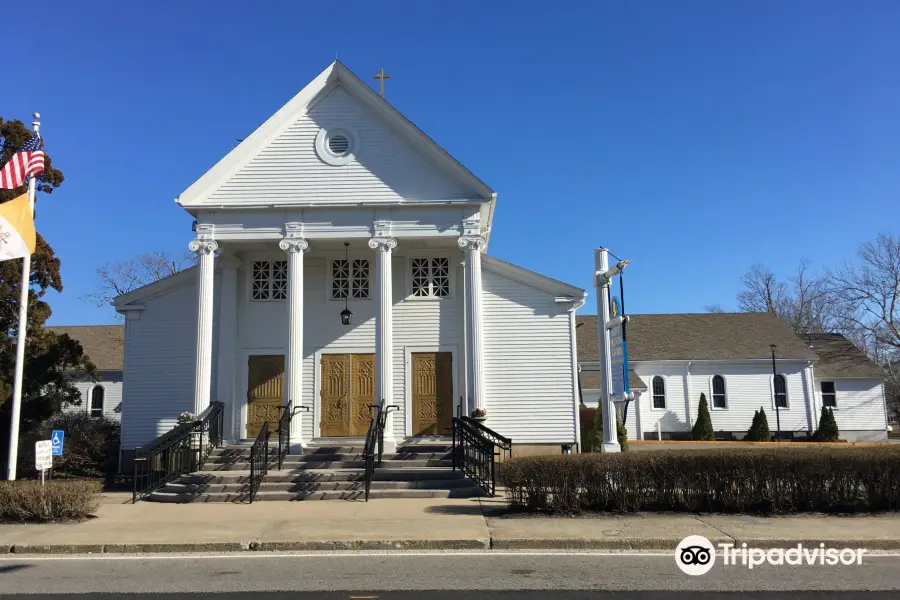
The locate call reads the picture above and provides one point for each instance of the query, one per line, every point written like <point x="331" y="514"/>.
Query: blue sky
<point x="693" y="137"/>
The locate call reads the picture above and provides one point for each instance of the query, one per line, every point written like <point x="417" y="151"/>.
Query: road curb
<point x="636" y="544"/>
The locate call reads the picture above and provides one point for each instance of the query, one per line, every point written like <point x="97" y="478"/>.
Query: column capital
<point x="382" y="244"/>
<point x="292" y="245"/>
<point x="472" y="242"/>
<point x="201" y="246"/>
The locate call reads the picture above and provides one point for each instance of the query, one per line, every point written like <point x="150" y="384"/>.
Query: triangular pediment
<point x="335" y="142"/>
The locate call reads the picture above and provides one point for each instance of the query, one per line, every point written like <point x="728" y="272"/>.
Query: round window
<point x="337" y="146"/>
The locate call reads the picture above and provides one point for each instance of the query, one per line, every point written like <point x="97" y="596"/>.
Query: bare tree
<point x="123" y="276"/>
<point x="714" y="308"/>
<point x="867" y="295"/>
<point x="802" y="301"/>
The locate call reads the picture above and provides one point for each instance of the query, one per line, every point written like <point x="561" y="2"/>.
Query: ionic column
<point x="384" y="347"/>
<point x="206" y="252"/>
<point x="295" y="248"/>
<point x="472" y="245"/>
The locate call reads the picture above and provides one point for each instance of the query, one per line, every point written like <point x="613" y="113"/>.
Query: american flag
<point x="27" y="162"/>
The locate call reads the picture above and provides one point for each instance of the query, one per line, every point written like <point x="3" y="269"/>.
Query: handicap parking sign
<point x="56" y="441"/>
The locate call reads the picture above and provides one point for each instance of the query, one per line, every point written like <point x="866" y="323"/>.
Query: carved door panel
<point x="335" y="395"/>
<point x="362" y="394"/>
<point x="432" y="393"/>
<point x="265" y="392"/>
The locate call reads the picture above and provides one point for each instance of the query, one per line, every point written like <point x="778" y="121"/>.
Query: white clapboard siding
<point x="860" y="406"/>
<point x="527" y="363"/>
<point x="673" y="417"/>
<point x="111" y="381"/>
<point x="748" y="387"/>
<point x="386" y="168"/>
<point x="159" y="358"/>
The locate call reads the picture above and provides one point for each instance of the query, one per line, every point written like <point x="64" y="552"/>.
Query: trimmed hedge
<point x="734" y="480"/>
<point x="586" y="419"/>
<point x="91" y="446"/>
<point x="57" y="500"/>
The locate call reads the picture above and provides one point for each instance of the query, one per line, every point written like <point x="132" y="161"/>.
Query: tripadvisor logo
<point x="696" y="555"/>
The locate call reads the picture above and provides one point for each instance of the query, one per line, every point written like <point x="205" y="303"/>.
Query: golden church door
<point x="432" y="393"/>
<point x="348" y="388"/>
<point x="265" y="392"/>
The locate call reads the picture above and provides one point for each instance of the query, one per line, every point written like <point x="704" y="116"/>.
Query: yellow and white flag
<point x="17" y="237"/>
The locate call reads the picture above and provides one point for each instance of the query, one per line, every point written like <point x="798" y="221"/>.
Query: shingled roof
<point x="707" y="336"/>
<point x="104" y="344"/>
<point x="590" y="380"/>
<point x="839" y="357"/>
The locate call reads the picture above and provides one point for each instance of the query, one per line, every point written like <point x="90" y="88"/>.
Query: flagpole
<point x="20" y="343"/>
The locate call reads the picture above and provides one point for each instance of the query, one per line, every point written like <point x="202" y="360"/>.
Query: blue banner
<point x="618" y="349"/>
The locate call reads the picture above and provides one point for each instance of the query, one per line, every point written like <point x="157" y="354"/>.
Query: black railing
<point x="477" y="450"/>
<point x="259" y="459"/>
<point x="374" y="446"/>
<point x="284" y="432"/>
<point x="177" y="452"/>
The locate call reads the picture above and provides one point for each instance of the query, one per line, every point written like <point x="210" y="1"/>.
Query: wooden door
<point x="265" y="392"/>
<point x="362" y="394"/>
<point x="432" y="393"/>
<point x="335" y="395"/>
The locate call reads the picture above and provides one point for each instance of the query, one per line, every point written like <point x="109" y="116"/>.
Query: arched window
<point x="718" y="392"/>
<point x="97" y="395"/>
<point x="781" y="398"/>
<point x="659" y="392"/>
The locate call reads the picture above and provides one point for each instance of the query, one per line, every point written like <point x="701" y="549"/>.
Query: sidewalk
<point x="426" y="524"/>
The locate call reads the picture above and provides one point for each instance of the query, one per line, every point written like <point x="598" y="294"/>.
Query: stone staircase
<point x="327" y="470"/>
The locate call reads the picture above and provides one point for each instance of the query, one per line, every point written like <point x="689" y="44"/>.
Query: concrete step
<point x="244" y="465"/>
<point x="180" y="487"/>
<point x="282" y="496"/>
<point x="324" y="475"/>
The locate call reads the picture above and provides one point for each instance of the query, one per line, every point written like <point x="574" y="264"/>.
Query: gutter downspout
<point x="687" y="395"/>
<point x="812" y="404"/>
<point x="576" y="377"/>
<point x="884" y="402"/>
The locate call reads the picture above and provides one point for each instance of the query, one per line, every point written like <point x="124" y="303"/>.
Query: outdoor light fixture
<point x="346" y="315"/>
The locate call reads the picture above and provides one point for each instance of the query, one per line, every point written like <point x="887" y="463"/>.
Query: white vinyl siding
<point x="160" y="356"/>
<point x="748" y="386"/>
<point x="386" y="168"/>
<point x="860" y="406"/>
<point x="527" y="363"/>
<point x="112" y="392"/>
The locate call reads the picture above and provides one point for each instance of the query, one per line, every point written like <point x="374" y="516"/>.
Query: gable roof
<point x="705" y="336"/>
<point x="530" y="278"/>
<point x="104" y="344"/>
<point x="336" y="73"/>
<point x="839" y="357"/>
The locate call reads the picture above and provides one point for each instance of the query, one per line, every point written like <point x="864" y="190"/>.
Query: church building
<point x="341" y="263"/>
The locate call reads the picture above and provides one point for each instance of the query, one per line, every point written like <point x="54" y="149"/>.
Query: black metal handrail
<point x="259" y="459"/>
<point x="476" y="451"/>
<point x="373" y="448"/>
<point x="179" y="451"/>
<point x="284" y="432"/>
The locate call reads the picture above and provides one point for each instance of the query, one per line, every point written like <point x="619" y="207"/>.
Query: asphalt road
<point x="431" y="576"/>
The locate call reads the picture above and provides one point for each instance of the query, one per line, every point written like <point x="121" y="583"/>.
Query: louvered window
<point x="430" y="277"/>
<point x="269" y="280"/>
<point x="350" y="279"/>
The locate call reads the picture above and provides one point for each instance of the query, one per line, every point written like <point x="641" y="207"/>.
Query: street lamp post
<point x="775" y="394"/>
